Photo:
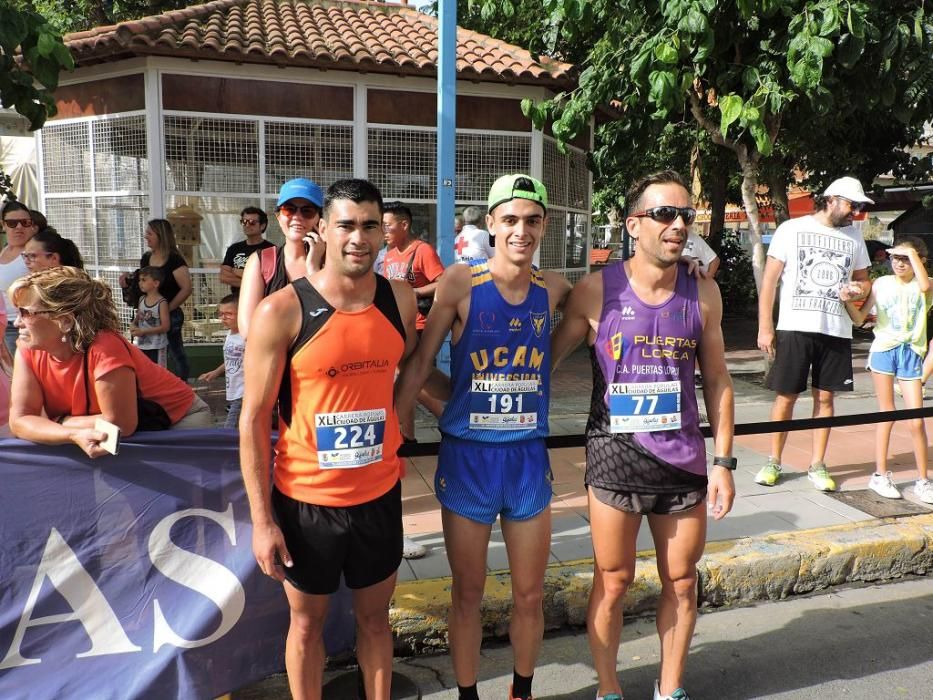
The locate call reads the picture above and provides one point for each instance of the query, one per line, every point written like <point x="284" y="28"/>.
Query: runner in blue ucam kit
<point x="493" y="461"/>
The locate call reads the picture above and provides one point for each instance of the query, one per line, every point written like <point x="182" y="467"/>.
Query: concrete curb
<point x="731" y="572"/>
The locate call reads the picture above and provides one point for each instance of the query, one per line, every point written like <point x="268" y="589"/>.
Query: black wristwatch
<point x="727" y="462"/>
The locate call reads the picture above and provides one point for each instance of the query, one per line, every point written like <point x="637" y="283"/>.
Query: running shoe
<point x="923" y="490"/>
<point x="769" y="474"/>
<point x="883" y="485"/>
<point x="611" y="696"/>
<point x="679" y="694"/>
<point x="820" y="477"/>
<point x="411" y="549"/>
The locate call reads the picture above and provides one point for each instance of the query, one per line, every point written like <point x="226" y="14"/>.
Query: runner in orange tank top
<point x="328" y="347"/>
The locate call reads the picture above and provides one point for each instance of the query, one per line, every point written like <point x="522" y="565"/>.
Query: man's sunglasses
<point x="666" y="214"/>
<point x="307" y="211"/>
<point x="251" y="222"/>
<point x="13" y="223"/>
<point x="856" y="207"/>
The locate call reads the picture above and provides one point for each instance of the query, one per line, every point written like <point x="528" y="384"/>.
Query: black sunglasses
<point x="666" y="214"/>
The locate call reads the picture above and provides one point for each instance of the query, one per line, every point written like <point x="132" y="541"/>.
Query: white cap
<point x="848" y="188"/>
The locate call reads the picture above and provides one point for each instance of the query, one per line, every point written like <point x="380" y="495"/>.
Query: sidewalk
<point x="779" y="536"/>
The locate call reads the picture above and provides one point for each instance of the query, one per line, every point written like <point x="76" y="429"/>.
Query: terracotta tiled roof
<point x="333" y="34"/>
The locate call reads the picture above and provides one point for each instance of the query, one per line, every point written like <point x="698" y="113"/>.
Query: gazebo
<point x="196" y="113"/>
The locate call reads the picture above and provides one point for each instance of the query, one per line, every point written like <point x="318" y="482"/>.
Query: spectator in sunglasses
<point x="298" y="212"/>
<point x="253" y="221"/>
<point x="19" y="227"/>
<point x="821" y="262"/>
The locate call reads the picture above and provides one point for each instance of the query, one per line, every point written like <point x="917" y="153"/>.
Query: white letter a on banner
<point x="88" y="604"/>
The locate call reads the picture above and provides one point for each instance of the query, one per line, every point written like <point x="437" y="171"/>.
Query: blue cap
<point x="301" y="188"/>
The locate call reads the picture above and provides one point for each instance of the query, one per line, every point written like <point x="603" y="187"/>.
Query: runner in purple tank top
<point x="648" y="322"/>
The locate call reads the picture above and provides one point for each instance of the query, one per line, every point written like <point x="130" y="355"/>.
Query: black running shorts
<point x="797" y="353"/>
<point x="364" y="542"/>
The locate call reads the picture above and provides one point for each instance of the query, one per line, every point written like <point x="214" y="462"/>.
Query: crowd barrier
<point x="133" y="576"/>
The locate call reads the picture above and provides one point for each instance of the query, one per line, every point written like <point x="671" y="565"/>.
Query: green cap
<point x="518" y="186"/>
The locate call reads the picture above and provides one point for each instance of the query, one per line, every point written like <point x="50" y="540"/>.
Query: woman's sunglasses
<point x="307" y="211"/>
<point x="13" y="223"/>
<point x="666" y="214"/>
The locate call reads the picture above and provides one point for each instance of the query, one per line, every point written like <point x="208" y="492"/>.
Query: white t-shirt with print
<point x="233" y="365"/>
<point x="817" y="260"/>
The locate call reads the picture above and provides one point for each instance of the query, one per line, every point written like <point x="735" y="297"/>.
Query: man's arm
<point x="453" y="288"/>
<point x="859" y="279"/>
<point x="230" y="276"/>
<point x="718" y="395"/>
<point x="558" y="289"/>
<point x="769" y="281"/>
<point x="580" y="317"/>
<point x="427" y="262"/>
<point x="276" y="322"/>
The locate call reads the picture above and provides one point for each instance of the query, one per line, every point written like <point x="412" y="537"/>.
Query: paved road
<point x="869" y="643"/>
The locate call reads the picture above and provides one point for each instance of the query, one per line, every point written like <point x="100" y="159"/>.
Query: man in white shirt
<point x="472" y="243"/>
<point x="821" y="261"/>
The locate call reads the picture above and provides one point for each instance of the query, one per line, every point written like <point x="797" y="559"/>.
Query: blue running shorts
<point x="901" y="362"/>
<point x="479" y="480"/>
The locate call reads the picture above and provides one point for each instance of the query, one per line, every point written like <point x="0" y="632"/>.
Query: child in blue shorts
<point x="901" y="301"/>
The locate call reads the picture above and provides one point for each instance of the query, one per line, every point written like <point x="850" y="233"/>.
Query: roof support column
<point x="154" y="146"/>
<point x="446" y="143"/>
<point x="446" y="128"/>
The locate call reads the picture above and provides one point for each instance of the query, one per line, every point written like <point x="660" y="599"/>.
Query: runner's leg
<point x="679" y="539"/>
<point x="614" y="532"/>
<point x="374" y="636"/>
<point x="304" y="646"/>
<point x="466" y="541"/>
<point x="528" y="544"/>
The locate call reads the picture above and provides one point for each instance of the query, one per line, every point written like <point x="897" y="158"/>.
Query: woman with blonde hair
<point x="176" y="286"/>
<point x="73" y="366"/>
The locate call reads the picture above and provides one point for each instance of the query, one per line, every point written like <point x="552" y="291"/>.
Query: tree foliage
<point x="755" y="75"/>
<point x="80" y="15"/>
<point x="31" y="57"/>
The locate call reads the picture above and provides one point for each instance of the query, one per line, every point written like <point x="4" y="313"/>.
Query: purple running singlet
<point x="644" y="398"/>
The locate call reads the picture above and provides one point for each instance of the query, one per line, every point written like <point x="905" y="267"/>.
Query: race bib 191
<point x="503" y="405"/>
<point x="350" y="439"/>
<point x="644" y="407"/>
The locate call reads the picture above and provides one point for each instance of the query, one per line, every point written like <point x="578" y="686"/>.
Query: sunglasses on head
<point x="307" y="211"/>
<point x="13" y="223"/>
<point x="666" y="214"/>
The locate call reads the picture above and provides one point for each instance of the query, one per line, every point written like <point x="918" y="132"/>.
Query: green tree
<point x="736" y="68"/>
<point x="80" y="15"/>
<point x="31" y="57"/>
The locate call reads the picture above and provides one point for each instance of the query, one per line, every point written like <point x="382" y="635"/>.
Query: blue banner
<point x="132" y="576"/>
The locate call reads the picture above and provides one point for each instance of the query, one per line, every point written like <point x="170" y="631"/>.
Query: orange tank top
<point x="338" y="430"/>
